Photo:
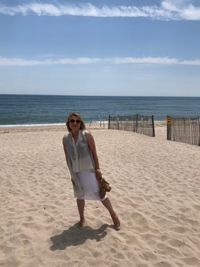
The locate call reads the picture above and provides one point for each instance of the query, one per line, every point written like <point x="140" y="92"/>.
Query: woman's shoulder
<point x="86" y="133"/>
<point x="66" y="137"/>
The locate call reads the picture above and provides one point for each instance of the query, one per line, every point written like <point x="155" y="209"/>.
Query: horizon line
<point x="184" y="96"/>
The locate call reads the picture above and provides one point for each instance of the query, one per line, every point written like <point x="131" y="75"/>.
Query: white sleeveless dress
<point x="89" y="184"/>
<point x="81" y="165"/>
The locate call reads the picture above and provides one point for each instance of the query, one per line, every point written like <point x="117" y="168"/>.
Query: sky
<point x="107" y="47"/>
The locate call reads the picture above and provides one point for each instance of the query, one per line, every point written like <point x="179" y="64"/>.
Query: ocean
<point x="49" y="109"/>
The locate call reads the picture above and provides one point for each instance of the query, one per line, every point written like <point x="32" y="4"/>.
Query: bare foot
<point x="81" y="223"/>
<point x="116" y="222"/>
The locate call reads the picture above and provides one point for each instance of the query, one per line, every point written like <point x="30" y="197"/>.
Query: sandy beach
<point x="155" y="189"/>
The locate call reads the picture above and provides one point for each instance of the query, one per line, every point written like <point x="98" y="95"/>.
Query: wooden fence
<point x="186" y="130"/>
<point x="135" y="123"/>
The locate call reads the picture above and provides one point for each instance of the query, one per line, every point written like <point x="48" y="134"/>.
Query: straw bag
<point x="104" y="187"/>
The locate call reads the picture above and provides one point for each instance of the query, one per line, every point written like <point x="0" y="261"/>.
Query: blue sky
<point x="136" y="48"/>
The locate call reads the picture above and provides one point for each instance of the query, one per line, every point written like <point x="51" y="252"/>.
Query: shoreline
<point x="88" y="124"/>
<point x="46" y="127"/>
<point x="46" y="124"/>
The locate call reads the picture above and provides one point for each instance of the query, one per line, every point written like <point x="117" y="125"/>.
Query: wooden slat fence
<point x="186" y="130"/>
<point x="135" y="123"/>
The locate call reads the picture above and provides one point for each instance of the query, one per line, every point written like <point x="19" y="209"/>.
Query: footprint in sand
<point x="162" y="264"/>
<point x="167" y="250"/>
<point x="140" y="222"/>
<point x="192" y="261"/>
<point x="197" y="207"/>
<point x="176" y="243"/>
<point x="148" y="256"/>
<point x="178" y="229"/>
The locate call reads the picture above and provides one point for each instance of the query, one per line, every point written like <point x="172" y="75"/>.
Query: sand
<point x="155" y="190"/>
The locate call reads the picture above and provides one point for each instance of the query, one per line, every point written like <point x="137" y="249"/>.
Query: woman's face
<point x="74" y="123"/>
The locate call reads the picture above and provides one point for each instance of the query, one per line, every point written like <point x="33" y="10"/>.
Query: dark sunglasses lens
<point x="73" y="121"/>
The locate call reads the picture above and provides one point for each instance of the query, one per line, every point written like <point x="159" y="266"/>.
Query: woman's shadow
<point x="75" y="236"/>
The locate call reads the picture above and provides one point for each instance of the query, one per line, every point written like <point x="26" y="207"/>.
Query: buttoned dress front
<point x="81" y="166"/>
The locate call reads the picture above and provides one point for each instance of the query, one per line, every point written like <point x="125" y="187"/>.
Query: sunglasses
<point x="73" y="121"/>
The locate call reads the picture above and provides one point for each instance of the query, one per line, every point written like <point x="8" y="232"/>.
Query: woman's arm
<point x="92" y="147"/>
<point x="65" y="149"/>
<point x="68" y="161"/>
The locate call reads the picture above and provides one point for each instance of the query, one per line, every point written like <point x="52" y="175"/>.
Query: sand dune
<point x="155" y="189"/>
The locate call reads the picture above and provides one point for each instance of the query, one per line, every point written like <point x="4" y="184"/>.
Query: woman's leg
<point x="113" y="215"/>
<point x="81" y="206"/>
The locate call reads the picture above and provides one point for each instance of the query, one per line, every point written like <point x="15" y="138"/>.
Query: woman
<point x="83" y="164"/>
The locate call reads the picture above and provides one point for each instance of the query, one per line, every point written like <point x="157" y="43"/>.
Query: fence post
<point x="136" y="123"/>
<point x="117" y="122"/>
<point x="199" y="129"/>
<point x="133" y="125"/>
<point x="109" y="122"/>
<point x="169" y="124"/>
<point x="153" y="126"/>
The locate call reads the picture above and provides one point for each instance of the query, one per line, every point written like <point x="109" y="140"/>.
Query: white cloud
<point x="51" y="61"/>
<point x="168" y="10"/>
<point x="20" y="62"/>
<point x="195" y="62"/>
<point x="145" y="60"/>
<point x="191" y="12"/>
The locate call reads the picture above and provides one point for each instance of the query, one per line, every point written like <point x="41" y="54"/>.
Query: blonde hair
<point x="75" y="114"/>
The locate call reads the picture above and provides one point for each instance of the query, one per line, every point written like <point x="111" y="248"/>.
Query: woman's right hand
<point x="98" y="174"/>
